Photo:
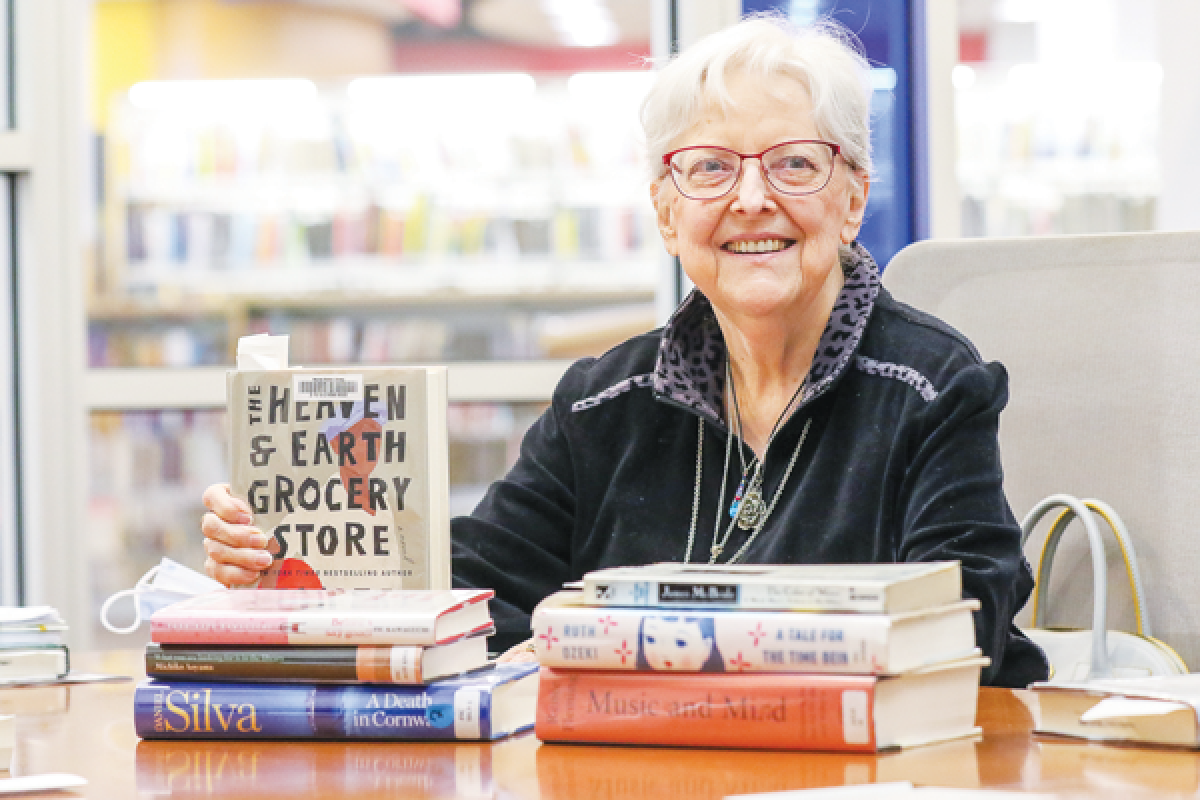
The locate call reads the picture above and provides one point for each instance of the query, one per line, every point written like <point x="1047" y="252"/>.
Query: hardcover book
<point x="572" y="635"/>
<point x="870" y="588"/>
<point x="346" y="470"/>
<point x="483" y="705"/>
<point x="33" y="664"/>
<point x="364" y="664"/>
<point x="1160" y="710"/>
<point x="324" y="617"/>
<point x="795" y="711"/>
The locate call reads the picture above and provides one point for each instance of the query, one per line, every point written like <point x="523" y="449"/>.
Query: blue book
<point x="488" y="704"/>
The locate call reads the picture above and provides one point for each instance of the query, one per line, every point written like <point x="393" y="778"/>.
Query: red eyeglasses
<point x="796" y="167"/>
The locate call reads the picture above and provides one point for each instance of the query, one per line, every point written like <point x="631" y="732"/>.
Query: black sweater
<point x="901" y="463"/>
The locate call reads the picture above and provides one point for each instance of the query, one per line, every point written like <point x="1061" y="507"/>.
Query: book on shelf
<point x="788" y="711"/>
<point x="346" y="471"/>
<point x="409" y="664"/>
<point x="1159" y="710"/>
<point x="483" y="705"/>
<point x="572" y="635"/>
<point x="869" y="588"/>
<point x="40" y="664"/>
<point x="248" y="768"/>
<point x="325" y="617"/>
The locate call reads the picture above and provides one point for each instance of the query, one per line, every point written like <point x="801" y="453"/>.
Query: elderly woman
<point x="791" y="411"/>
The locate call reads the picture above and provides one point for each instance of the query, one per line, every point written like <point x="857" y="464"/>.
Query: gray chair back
<point x="1101" y="339"/>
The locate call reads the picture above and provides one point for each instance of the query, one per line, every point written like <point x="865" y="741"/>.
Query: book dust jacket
<point x="346" y="471"/>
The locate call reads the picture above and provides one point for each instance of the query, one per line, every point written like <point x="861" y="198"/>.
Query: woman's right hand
<point x="237" y="551"/>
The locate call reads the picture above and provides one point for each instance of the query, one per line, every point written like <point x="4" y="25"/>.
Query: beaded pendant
<point x="748" y="506"/>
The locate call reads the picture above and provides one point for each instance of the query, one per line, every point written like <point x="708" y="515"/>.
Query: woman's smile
<point x="757" y="245"/>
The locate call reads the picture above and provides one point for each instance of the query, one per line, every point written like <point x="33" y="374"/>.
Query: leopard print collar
<point x="690" y="369"/>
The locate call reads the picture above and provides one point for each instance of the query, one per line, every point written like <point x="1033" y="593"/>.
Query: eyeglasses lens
<point x="791" y="167"/>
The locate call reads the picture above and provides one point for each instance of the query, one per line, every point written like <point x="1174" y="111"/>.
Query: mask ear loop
<point x="138" y="587"/>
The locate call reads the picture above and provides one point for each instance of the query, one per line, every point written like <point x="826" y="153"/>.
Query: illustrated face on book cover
<point x="678" y="643"/>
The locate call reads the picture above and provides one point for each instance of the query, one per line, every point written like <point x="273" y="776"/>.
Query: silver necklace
<point x="745" y="508"/>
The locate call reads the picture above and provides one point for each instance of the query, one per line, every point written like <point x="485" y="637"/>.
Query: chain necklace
<point x="748" y="510"/>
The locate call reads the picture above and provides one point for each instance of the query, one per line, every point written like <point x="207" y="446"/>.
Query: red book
<point x="324" y="617"/>
<point x="799" y="711"/>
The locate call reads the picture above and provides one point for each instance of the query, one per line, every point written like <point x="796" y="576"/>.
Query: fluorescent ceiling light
<point x="159" y="95"/>
<point x="1019" y="10"/>
<point x="624" y="87"/>
<point x="582" y="23"/>
<point x="484" y="88"/>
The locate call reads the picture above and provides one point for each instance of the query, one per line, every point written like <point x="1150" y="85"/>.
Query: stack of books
<point x="859" y="657"/>
<point x="329" y="664"/>
<point x="32" y="649"/>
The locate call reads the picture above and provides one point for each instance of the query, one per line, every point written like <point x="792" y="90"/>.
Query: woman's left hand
<point x="518" y="654"/>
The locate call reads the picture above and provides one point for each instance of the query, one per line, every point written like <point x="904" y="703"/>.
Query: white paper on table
<point x="50" y="782"/>
<point x="262" y="351"/>
<point x="903" y="789"/>
<point x="869" y="791"/>
<point x="28" y="615"/>
<point x="931" y="793"/>
<point x="1117" y="707"/>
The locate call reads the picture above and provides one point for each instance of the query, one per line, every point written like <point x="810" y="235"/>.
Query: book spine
<point x="218" y="628"/>
<point x="791" y="712"/>
<point x="710" y="641"/>
<point x="700" y="594"/>
<point x="187" y="710"/>
<point x="300" y="664"/>
<point x="284" y="629"/>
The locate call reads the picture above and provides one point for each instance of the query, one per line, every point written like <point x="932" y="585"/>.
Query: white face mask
<point x="162" y="585"/>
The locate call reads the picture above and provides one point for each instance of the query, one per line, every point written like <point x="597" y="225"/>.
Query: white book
<point x="324" y="617"/>
<point x="1155" y="710"/>
<point x="571" y="635"/>
<point x="33" y="664"/>
<point x="870" y="588"/>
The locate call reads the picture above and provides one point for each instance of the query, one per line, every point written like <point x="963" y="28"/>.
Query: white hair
<point x="825" y="58"/>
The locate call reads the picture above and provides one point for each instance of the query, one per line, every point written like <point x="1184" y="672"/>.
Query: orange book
<point x="798" y="711"/>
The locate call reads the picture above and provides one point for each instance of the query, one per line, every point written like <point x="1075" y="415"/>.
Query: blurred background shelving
<point x="1058" y="108"/>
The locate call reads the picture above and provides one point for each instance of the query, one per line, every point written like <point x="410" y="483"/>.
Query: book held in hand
<point x="794" y="711"/>
<point x="346" y="470"/>
<point x="1154" y="710"/>
<point x="571" y="635"/>
<point x="484" y="705"/>
<point x="869" y="588"/>
<point x="324" y="617"/>
<point x="408" y="664"/>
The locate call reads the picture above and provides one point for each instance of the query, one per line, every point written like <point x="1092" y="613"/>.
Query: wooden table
<point x="88" y="730"/>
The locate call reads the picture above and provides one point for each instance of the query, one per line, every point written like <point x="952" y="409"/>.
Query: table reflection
<point x="311" y="769"/>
